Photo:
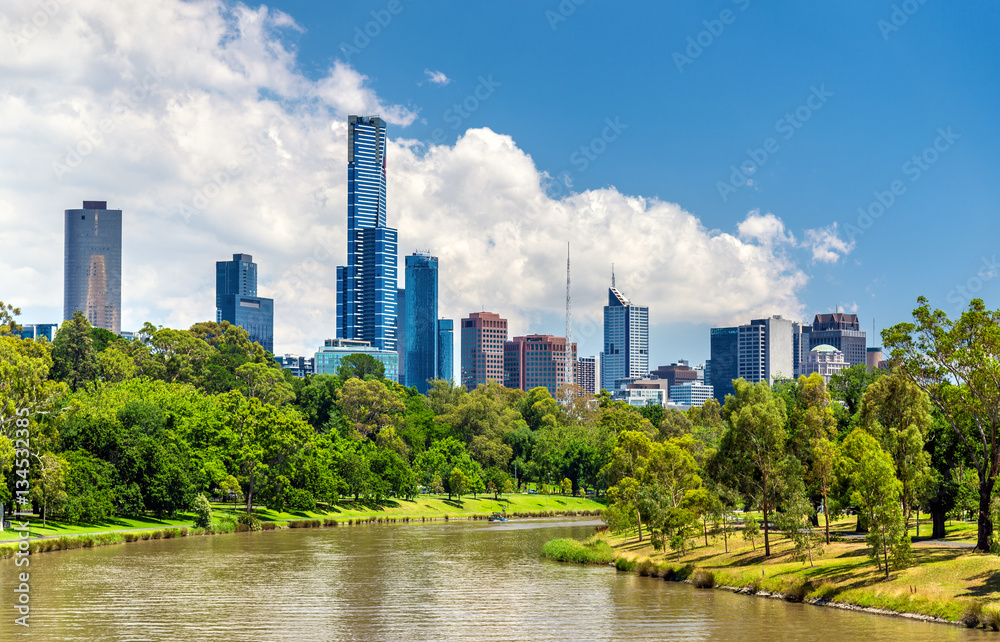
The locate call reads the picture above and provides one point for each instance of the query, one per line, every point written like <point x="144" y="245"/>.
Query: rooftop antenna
<point x="568" y="377"/>
<point x="612" y="275"/>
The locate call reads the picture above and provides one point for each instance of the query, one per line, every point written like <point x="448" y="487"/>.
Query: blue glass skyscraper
<point x="93" y="265"/>
<point x="421" y="320"/>
<point x="446" y="349"/>
<point x="236" y="300"/>
<point x="366" y="286"/>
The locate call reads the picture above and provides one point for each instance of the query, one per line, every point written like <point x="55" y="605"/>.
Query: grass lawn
<point x="941" y="582"/>
<point x="423" y="506"/>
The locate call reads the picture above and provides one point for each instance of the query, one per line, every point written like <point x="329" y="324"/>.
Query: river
<point x="458" y="580"/>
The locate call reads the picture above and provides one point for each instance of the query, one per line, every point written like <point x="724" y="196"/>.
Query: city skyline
<point x="255" y="162"/>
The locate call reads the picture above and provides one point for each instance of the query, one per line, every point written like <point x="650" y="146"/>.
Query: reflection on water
<point x="457" y="580"/>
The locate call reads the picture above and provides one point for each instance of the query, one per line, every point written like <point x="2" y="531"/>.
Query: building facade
<point x="537" y="361"/>
<point x="724" y="366"/>
<point x="401" y="333"/>
<point x="446" y="349"/>
<point x="329" y="356"/>
<point x="626" y="339"/>
<point x="586" y="374"/>
<point x="37" y="331"/>
<point x="92" y="276"/>
<point x="825" y="360"/>
<point x="421" y="320"/>
<point x="298" y="366"/>
<point x="482" y="344"/>
<point x="765" y="350"/>
<point x="691" y="393"/>
<point x="843" y="332"/>
<point x="366" y="286"/>
<point x="237" y="302"/>
<point x="675" y="373"/>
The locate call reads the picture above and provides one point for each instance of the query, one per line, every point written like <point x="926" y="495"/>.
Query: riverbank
<point x="943" y="583"/>
<point x="73" y="536"/>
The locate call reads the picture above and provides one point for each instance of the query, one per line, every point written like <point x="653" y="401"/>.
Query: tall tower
<point x="421" y="320"/>
<point x="92" y="278"/>
<point x="626" y="339"/>
<point x="366" y="286"/>
<point x="236" y="300"/>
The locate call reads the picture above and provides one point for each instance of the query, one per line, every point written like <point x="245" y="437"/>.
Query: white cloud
<point x="437" y="77"/>
<point x="215" y="143"/>
<point x="826" y="244"/>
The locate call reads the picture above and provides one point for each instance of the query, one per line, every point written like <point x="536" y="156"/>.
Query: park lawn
<point x="57" y="528"/>
<point x="941" y="582"/>
<point x="434" y="506"/>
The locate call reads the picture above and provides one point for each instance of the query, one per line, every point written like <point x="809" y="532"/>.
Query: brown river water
<point x="459" y="580"/>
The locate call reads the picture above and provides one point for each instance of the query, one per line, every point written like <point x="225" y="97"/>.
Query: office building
<point x="626" y="339"/>
<point x="401" y="333"/>
<point x="843" y="332"/>
<point x="537" y="361"/>
<point x="824" y="359"/>
<point x="690" y="393"/>
<point x="482" y="345"/>
<point x="446" y="349"/>
<point x="724" y="366"/>
<point x="675" y="373"/>
<point x="237" y="302"/>
<point x="329" y="356"/>
<point x="874" y="358"/>
<point x="366" y="286"/>
<point x="37" y="331"/>
<point x="92" y="277"/>
<point x="641" y="393"/>
<point x="421" y="320"/>
<point x="586" y="374"/>
<point x="765" y="350"/>
<point x="298" y="366"/>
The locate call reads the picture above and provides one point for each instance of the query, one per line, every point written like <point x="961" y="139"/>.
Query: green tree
<point x="264" y="382"/>
<point x="458" y="483"/>
<point x="203" y="512"/>
<point x="957" y="363"/>
<point x="751" y="530"/>
<point x="73" y="356"/>
<point x="754" y="445"/>
<point x="49" y="488"/>
<point x="876" y="489"/>
<point x="360" y="366"/>
<point x="566" y="486"/>
<point x="8" y="322"/>
<point x="368" y="405"/>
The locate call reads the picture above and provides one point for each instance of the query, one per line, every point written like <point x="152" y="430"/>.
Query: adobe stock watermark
<point x="364" y="34"/>
<point x="22" y="503"/>
<point x="914" y="169"/>
<point x="93" y="137"/>
<point x="786" y="126"/>
<point x="562" y="12"/>
<point x="963" y="293"/>
<point x="29" y="28"/>
<point x="250" y="149"/>
<point x="900" y="15"/>
<point x="459" y="112"/>
<point x="714" y="28"/>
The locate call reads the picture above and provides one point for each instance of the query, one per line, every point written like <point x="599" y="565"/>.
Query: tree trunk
<point x="725" y="531"/>
<point x="638" y="518"/>
<point x="985" y="526"/>
<point x="826" y="518"/>
<point x="885" y="550"/>
<point x="250" y="495"/>
<point x="704" y="526"/>
<point x="767" y="538"/>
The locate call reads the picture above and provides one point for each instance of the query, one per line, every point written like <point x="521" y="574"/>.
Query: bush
<point x="703" y="579"/>
<point x="798" y="591"/>
<point x="247" y="522"/>
<point x="990" y="617"/>
<point x="595" y="551"/>
<point x="668" y="573"/>
<point x="970" y="616"/>
<point x="754" y="586"/>
<point x="684" y="572"/>
<point x="203" y="511"/>
<point x="623" y="564"/>
<point x="301" y="500"/>
<point x="645" y="567"/>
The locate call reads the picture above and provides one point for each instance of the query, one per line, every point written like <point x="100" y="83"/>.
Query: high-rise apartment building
<point x="843" y="332"/>
<point x="626" y="339"/>
<point x="421" y="320"/>
<point x="724" y="366"/>
<point x="366" y="286"/>
<point x="586" y="374"/>
<point x="401" y="333"/>
<point x="92" y="277"/>
<point x="483" y="338"/>
<point x="446" y="349"/>
<point x="537" y="361"/>
<point x="236" y="300"/>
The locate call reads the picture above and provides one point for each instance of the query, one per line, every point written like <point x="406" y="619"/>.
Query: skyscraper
<point x="236" y="300"/>
<point x="366" y="286"/>
<point x="483" y="337"/>
<point x="446" y="349"/>
<point x="421" y="320"/>
<point x="626" y="339"/>
<point x="537" y="361"/>
<point x="586" y="374"/>
<point x="401" y="333"/>
<point x="725" y="361"/>
<point x="765" y="350"/>
<point x="843" y="332"/>
<point x="92" y="277"/>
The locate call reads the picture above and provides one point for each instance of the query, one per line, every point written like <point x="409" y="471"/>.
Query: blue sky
<point x="665" y="98"/>
<point x="893" y="85"/>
